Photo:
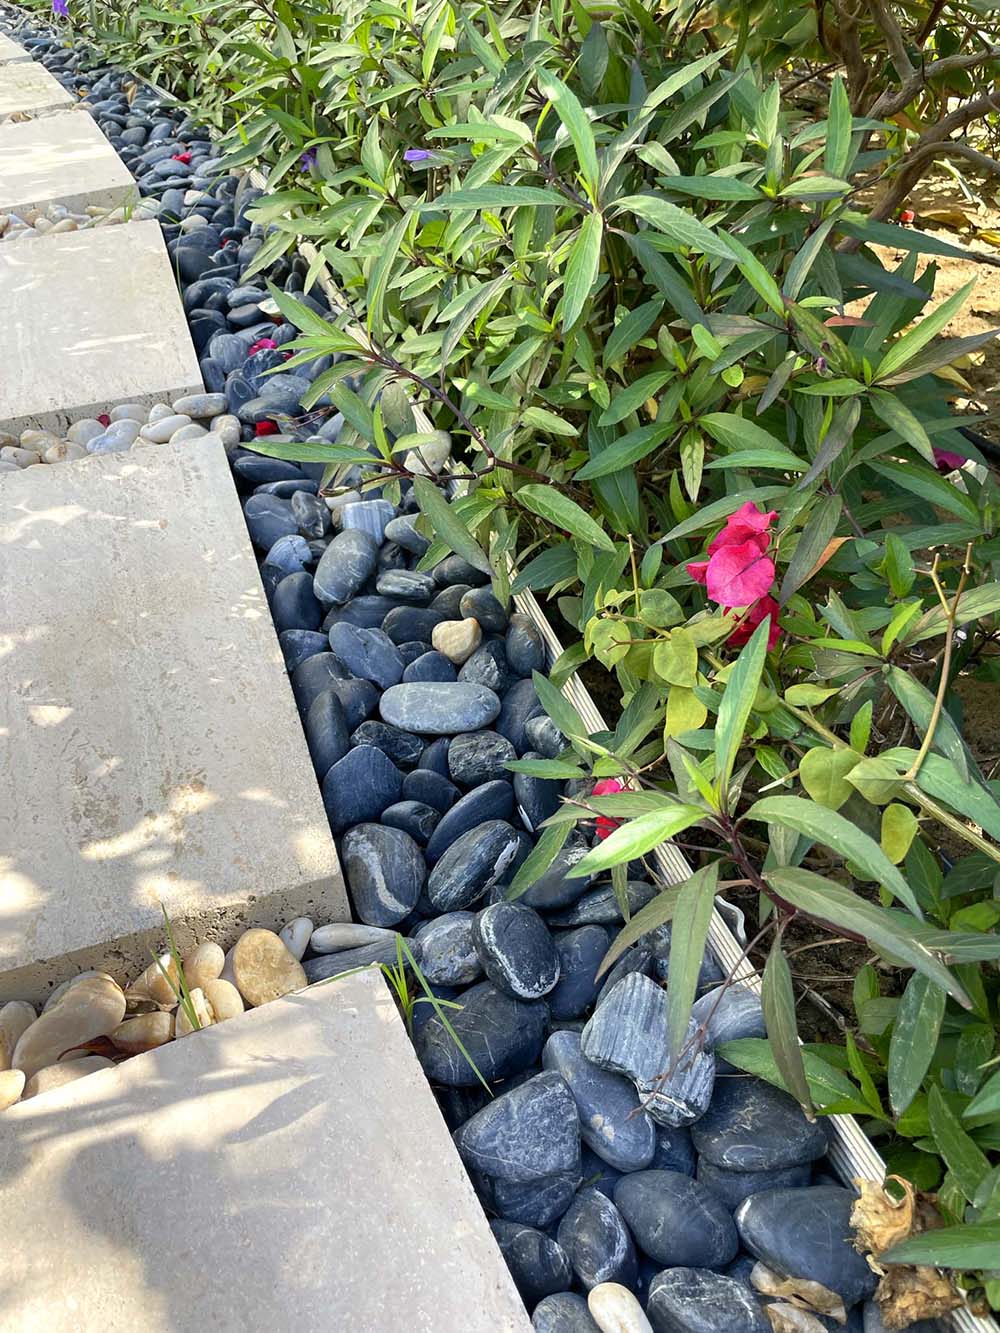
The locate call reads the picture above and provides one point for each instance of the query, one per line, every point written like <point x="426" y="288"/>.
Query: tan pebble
<point x="202" y="1012"/>
<point x="64" y="224"/>
<point x="227" y="428"/>
<point x="154" y="985"/>
<point x="224" y="999"/>
<point x="143" y="1033"/>
<point x="91" y="1007"/>
<point x="42" y="225"/>
<point x="203" y="964"/>
<point x="457" y="639"/>
<point x="61" y="989"/>
<point x="20" y="457"/>
<point x="4" y="220"/>
<point x="38" y="439"/>
<point x="64" y="453"/>
<point x="15" y="1017"/>
<point x="95" y="211"/>
<point x="115" y="216"/>
<point x="12" y="1083"/>
<point x="55" y="1076"/>
<point x="614" y="1309"/>
<point x="264" y="969"/>
<point x="6" y="439"/>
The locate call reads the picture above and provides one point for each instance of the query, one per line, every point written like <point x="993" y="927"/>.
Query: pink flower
<point x="605" y="826"/>
<point x="946" y="461"/>
<point x="738" y="569"/>
<point x="754" y="616"/>
<point x="747" y="522"/>
<point x="261" y="345"/>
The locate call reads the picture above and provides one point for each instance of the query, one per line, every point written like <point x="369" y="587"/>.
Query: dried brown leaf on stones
<point x="790" y="1319"/>
<point x="880" y="1220"/>
<point x="799" y="1292"/>
<point x="908" y="1294"/>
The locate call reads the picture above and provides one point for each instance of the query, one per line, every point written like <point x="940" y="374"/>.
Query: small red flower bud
<point x="266" y="428"/>
<point x="907" y="216"/>
<point x="104" y="419"/>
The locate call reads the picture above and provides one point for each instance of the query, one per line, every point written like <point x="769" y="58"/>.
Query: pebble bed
<point x="620" y="1200"/>
<point x="57" y="219"/>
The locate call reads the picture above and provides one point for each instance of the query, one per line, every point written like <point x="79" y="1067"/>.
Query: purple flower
<point x="61" y="7"/>
<point x="308" y="158"/>
<point x="417" y="155"/>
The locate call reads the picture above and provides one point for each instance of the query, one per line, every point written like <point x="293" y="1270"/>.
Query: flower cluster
<point x="739" y="573"/>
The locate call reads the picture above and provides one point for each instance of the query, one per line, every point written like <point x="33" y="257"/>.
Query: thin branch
<point x="894" y="39"/>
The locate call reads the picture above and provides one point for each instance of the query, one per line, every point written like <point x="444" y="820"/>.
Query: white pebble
<point x="614" y="1309"/>
<point x="296" y="935"/>
<point x="201" y="406"/>
<point x="65" y="452"/>
<point x="160" y="431"/>
<point x="82" y="432"/>
<point x="158" y="412"/>
<point x="19" y="457"/>
<point x="341" y="935"/>
<point x="129" y="412"/>
<point x="227" y="428"/>
<point x="192" y="432"/>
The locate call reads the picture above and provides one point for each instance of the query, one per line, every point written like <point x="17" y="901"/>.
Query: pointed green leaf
<point x="973" y="1246"/>
<point x="657" y="912"/>
<point x="904" y="349"/>
<point x="560" y="510"/>
<point x="964" y="1159"/>
<point x="688" y="933"/>
<point x="778" y="1001"/>
<point x="447" y="526"/>
<point x="581" y="269"/>
<point x="636" y="838"/>
<point x="578" y="127"/>
<point x="914" y="1039"/>
<point x="737" y="702"/>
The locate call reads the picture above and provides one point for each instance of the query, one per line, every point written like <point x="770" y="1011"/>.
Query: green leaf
<point x="831" y="902"/>
<point x="835" y="441"/>
<point x="713" y="187"/>
<point x="904" y="349"/>
<point x="823" y="773"/>
<point x="538" y="860"/>
<point x="921" y="480"/>
<point x="812" y="545"/>
<point x="475" y="300"/>
<point x="838" y="129"/>
<point x="378" y="281"/>
<point x="636" y="838"/>
<point x="966" y="1162"/>
<point x="976" y="604"/>
<point x="898" y="829"/>
<point x="556" y="564"/>
<point x="827" y="1085"/>
<point x="738" y="434"/>
<point x="581" y="269"/>
<point x="675" y="659"/>
<point x="987" y="1099"/>
<point x="571" y="113"/>
<point x="558" y="707"/>
<point x="846" y="839"/>
<point x="680" y="226"/>
<point x="560" y="510"/>
<point x="710" y="514"/>
<point x="914" y="1039"/>
<point x="688" y="934"/>
<point x="543" y="419"/>
<point x="737" y="702"/>
<point x="973" y="1246"/>
<point x="628" y="400"/>
<point x="778" y="1001"/>
<point x="626" y="450"/>
<point x="498" y="196"/>
<point x="898" y="417"/>
<point x="757" y="276"/>
<point x="631" y="329"/>
<point x="657" y="912"/>
<point x="307" y="451"/>
<point x="447" y="526"/>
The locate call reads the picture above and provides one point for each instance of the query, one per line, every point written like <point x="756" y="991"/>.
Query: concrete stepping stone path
<point x="11" y="50"/>
<point x="287" y="1171"/>
<point x="151" y="748"/>
<point x="26" y="88"/>
<point x="93" y="319"/>
<point x="60" y="159"/>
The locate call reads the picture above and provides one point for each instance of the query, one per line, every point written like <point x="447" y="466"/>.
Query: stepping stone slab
<point x="29" y="88"/>
<point x="676" y="1221"/>
<point x="93" y="319"/>
<point x="323" y="1082"/>
<point x="11" y="50"/>
<point x="60" y="159"/>
<point x="151" y="706"/>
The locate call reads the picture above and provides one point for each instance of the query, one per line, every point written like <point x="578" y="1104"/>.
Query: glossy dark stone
<point x="555" y="887"/>
<point x="520" y="703"/>
<point x="503" y="1036"/>
<point x="294" y="604"/>
<point x="525" y="647"/>
<point x="674" y="1150"/>
<point x="696" y="1300"/>
<point x="368" y="654"/>
<point x="348" y="562"/>
<point x="729" y="1014"/>
<point x="313" y="676"/>
<point x="255" y="468"/>
<point x="289" y="553"/>
<point x="384" y="871"/>
<point x="538" y="1265"/>
<point x="298" y="644"/>
<point x="327" y="965"/>
<point x="536" y="1203"/>
<point x="542" y="734"/>
<point x="536" y="798"/>
<point x="453" y="569"/>
<point x="752" y="1126"/>
<point x="435" y="756"/>
<point x="402" y="747"/>
<point x="449" y="956"/>
<point x="326" y="732"/>
<point x="366" y="612"/>
<point x="580" y="954"/>
<point x="594" y="1235"/>
<point x="312" y="514"/>
<point x="449" y="599"/>
<point x="430" y="788"/>
<point x="414" y="818"/>
<point x="563" y="1312"/>
<point x="733" y="1187"/>
<point x="493" y="800"/>
<point x="430" y="667"/>
<point x="403" y="532"/>
<point x="487" y="666"/>
<point x="407" y="585"/>
<point x="479" y="756"/>
<point x="268" y="518"/>
<point x="471" y="865"/>
<point x="359" y="698"/>
<point x="611" y="1123"/>
<point x="480" y="604"/>
<point x="600" y="906"/>
<point x="412" y="650"/>
<point x="439" y="709"/>
<point x="676" y="1221"/>
<point x="525" y="1134"/>
<point x="516" y="950"/>
<point x="807" y="1233"/>
<point x="405" y="623"/>
<point x="359" y="787"/>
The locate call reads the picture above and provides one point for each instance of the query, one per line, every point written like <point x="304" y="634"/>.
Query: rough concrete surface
<point x="93" y="318"/>
<point x="152" y="750"/>
<point x="60" y="159"/>
<point x="29" y="88"/>
<point x="11" y="50"/>
<point x="286" y="1170"/>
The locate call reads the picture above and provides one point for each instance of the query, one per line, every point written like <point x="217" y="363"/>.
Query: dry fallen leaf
<point x="907" y="1294"/>
<point x="799" y="1292"/>
<point x="952" y="217"/>
<point x="790" y="1319"/>
<point x="879" y="1220"/>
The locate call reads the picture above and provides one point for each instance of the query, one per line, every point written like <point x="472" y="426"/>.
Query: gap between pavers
<point x="287" y="1170"/>
<point x="152" y="749"/>
<point x="11" y="50"/>
<point x="93" y="318"/>
<point x="28" y="88"/>
<point x="61" y="159"/>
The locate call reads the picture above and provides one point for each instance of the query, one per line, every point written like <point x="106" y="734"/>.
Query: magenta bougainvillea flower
<point x="739" y="572"/>
<point x="946" y="461"/>
<point x="605" y="825"/>
<point x="262" y="345"/>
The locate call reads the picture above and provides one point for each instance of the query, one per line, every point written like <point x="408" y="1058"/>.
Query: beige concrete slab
<point x="61" y="159"/>
<point x="287" y="1170"/>
<point x="11" y="50"/>
<point x="93" y="318"/>
<point x="152" y="752"/>
<point x="29" y="89"/>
